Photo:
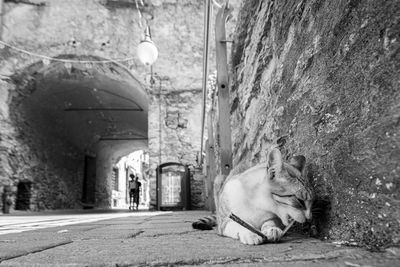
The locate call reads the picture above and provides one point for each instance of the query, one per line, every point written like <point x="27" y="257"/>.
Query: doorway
<point x="24" y="194"/>
<point x="89" y="182"/>
<point x="173" y="187"/>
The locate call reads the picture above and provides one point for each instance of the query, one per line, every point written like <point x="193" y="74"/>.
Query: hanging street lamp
<point x="146" y="50"/>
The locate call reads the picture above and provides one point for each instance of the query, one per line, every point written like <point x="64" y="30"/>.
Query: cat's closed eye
<point x="303" y="205"/>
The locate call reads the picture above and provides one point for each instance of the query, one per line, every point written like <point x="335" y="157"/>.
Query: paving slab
<point x="168" y="240"/>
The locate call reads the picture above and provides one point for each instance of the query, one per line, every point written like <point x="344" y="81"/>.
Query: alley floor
<point x="159" y="239"/>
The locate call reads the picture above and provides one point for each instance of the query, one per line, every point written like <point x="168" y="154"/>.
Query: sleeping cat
<point x="265" y="196"/>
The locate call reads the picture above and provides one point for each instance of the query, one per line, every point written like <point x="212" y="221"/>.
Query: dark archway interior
<point x="86" y="105"/>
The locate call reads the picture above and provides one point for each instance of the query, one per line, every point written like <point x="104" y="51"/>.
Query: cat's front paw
<point x="249" y="238"/>
<point x="273" y="233"/>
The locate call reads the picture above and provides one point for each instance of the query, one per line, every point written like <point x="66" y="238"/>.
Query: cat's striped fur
<point x="266" y="196"/>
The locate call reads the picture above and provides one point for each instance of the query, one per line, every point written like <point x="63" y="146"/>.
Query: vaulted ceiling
<point x="84" y="106"/>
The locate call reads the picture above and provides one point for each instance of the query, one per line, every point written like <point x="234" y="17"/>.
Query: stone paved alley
<point x="167" y="239"/>
<point x="84" y="105"/>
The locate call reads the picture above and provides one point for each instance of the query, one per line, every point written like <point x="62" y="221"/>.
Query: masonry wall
<point x="325" y="74"/>
<point x="98" y="28"/>
<point x="31" y="153"/>
<point x="174" y="136"/>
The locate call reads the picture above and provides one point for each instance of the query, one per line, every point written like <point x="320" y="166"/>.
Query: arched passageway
<point x="72" y="121"/>
<point x="135" y="164"/>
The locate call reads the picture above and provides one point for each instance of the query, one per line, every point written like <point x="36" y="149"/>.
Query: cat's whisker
<point x="318" y="212"/>
<point x="288" y="227"/>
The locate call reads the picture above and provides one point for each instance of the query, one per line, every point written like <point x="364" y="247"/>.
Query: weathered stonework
<point x="174" y="136"/>
<point x="34" y="151"/>
<point x="325" y="74"/>
<point x="90" y="29"/>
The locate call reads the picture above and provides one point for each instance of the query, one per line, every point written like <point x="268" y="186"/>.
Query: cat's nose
<point x="308" y="214"/>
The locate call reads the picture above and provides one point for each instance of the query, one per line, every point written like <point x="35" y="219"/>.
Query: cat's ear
<point x="274" y="160"/>
<point x="299" y="162"/>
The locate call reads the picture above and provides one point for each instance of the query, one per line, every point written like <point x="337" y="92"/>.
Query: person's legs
<point x="137" y="199"/>
<point x="131" y="199"/>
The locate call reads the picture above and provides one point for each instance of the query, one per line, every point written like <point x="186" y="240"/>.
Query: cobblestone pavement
<point x="163" y="239"/>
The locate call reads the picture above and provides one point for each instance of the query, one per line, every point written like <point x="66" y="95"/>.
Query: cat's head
<point x="289" y="188"/>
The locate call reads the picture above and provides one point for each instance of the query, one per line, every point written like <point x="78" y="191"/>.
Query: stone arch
<point x="60" y="113"/>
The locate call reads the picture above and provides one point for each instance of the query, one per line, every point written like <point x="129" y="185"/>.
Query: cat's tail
<point x="206" y="223"/>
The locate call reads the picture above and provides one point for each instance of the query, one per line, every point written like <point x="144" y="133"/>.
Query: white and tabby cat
<point x="265" y="196"/>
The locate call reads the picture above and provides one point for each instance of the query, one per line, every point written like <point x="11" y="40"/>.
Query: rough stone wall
<point x="174" y="136"/>
<point x="56" y="28"/>
<point x="101" y="28"/>
<point x="325" y="74"/>
<point x="29" y="152"/>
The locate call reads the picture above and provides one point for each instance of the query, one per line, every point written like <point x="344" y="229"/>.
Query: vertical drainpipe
<point x="158" y="188"/>
<point x="207" y="13"/>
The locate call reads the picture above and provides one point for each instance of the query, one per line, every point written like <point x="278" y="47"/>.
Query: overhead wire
<point x="44" y="57"/>
<point x="47" y="59"/>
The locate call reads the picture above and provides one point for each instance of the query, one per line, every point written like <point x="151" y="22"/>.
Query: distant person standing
<point x="134" y="191"/>
<point x="136" y="194"/>
<point x="132" y="188"/>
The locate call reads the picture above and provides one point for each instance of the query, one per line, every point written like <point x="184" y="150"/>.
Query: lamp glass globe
<point x="147" y="52"/>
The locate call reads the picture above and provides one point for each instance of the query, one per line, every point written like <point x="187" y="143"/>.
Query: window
<point x="115" y="178"/>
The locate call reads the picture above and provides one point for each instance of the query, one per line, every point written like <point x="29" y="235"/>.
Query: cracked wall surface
<point x="175" y="136"/>
<point x="325" y="74"/>
<point x="92" y="29"/>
